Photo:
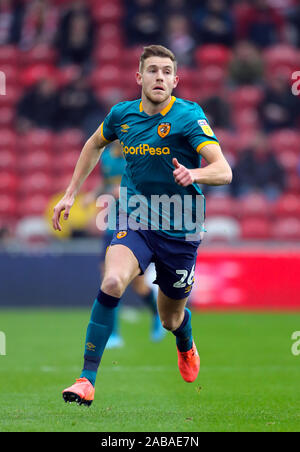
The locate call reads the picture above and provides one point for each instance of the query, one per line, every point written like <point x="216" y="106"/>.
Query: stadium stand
<point x="36" y="163"/>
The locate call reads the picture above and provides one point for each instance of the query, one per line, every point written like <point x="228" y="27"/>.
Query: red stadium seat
<point x="293" y="183"/>
<point x="289" y="159"/>
<point x="9" y="55"/>
<point x="131" y="57"/>
<point x="35" y="204"/>
<point x="287" y="206"/>
<point x="65" y="163"/>
<point x="37" y="160"/>
<point x="246" y="96"/>
<point x="8" y="206"/>
<point x="8" y="160"/>
<point x="36" y="72"/>
<point x="8" y="182"/>
<point x="69" y="139"/>
<point x="281" y="55"/>
<point x="108" y="54"/>
<point x="188" y="77"/>
<point x="246" y="120"/>
<point x="12" y="96"/>
<point x="254" y="205"/>
<point x="212" y="54"/>
<point x="107" y="12"/>
<point x="36" y="183"/>
<point x="8" y="139"/>
<point x="211" y="77"/>
<point x="286" y="229"/>
<point x="37" y="139"/>
<point x="39" y="54"/>
<point x="108" y="76"/>
<point x="7" y="116"/>
<point x="12" y="74"/>
<point x="256" y="228"/>
<point x="285" y="139"/>
<point x="220" y="205"/>
<point x="109" y="34"/>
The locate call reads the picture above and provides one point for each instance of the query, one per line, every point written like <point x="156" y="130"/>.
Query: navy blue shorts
<point x="174" y="258"/>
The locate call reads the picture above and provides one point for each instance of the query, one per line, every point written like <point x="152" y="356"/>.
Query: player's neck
<point x="151" y="108"/>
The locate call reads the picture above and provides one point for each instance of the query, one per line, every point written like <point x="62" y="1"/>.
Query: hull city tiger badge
<point x="164" y="129"/>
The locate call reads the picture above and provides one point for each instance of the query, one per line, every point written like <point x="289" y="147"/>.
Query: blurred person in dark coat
<point x="75" y="38"/>
<point x="143" y="22"/>
<point x="78" y="106"/>
<point x="214" y="23"/>
<point x="38" y="107"/>
<point x="246" y="66"/>
<point x="11" y="13"/>
<point x="258" y="169"/>
<point x="279" y="108"/>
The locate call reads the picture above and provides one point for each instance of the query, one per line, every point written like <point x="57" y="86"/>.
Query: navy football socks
<point x="184" y="338"/>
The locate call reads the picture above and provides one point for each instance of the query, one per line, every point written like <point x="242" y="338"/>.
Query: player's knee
<point x="170" y="324"/>
<point x="113" y="285"/>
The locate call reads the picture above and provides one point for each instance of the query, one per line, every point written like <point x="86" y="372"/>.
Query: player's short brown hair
<point x="159" y="51"/>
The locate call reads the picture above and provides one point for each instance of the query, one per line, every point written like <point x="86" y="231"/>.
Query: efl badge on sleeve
<point x="164" y="129"/>
<point x="205" y="127"/>
<point x="121" y="234"/>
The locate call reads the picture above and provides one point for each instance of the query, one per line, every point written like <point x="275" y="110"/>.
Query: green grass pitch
<point x="249" y="378"/>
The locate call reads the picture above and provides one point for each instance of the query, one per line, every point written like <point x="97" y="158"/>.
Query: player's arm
<point x="217" y="171"/>
<point x="87" y="161"/>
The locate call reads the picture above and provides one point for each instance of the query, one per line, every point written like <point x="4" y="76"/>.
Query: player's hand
<point x="182" y="175"/>
<point x="64" y="204"/>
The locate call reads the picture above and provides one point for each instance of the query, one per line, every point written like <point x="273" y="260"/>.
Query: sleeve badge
<point x="205" y="127"/>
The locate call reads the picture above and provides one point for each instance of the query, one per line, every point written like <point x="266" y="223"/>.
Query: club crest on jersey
<point x="164" y="129"/>
<point x="205" y="127"/>
<point x="121" y="234"/>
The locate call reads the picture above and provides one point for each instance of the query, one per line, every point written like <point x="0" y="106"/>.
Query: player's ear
<point x="138" y="77"/>
<point x="176" y="81"/>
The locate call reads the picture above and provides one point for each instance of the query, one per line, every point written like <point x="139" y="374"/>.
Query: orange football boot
<point x="189" y="364"/>
<point x="81" y="392"/>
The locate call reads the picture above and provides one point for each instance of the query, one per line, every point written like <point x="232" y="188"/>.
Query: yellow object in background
<point x="79" y="219"/>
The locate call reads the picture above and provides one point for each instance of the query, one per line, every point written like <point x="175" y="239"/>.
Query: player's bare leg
<point x="176" y="318"/>
<point x="120" y="268"/>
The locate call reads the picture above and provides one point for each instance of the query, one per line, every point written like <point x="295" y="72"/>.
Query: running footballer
<point x="163" y="140"/>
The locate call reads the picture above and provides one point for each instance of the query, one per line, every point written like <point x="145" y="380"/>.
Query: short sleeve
<point x="108" y="127"/>
<point x="197" y="129"/>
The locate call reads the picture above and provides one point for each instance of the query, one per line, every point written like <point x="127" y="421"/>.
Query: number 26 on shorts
<point x="186" y="278"/>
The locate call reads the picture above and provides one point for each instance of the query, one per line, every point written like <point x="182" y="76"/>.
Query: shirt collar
<point x="165" y="110"/>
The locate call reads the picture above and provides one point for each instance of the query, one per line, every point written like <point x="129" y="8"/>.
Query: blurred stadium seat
<point x="286" y="229"/>
<point x="253" y="206"/>
<point x="256" y="228"/>
<point x="212" y="54"/>
<point x="220" y="205"/>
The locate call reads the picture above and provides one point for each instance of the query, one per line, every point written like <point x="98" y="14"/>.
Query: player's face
<point x="157" y="79"/>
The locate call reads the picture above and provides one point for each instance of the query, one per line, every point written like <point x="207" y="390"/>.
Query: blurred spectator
<point x="179" y="39"/>
<point x="257" y="169"/>
<point x="39" y="24"/>
<point x="214" y="23"/>
<point x="217" y="111"/>
<point x="10" y="21"/>
<point x="38" y="107"/>
<point x="246" y="66"/>
<point x="261" y="24"/>
<point x="75" y="39"/>
<point x="143" y="23"/>
<point x="279" y="108"/>
<point x="78" y="107"/>
<point x="293" y="17"/>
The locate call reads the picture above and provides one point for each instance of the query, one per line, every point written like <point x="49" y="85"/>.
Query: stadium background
<point x="67" y="62"/>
